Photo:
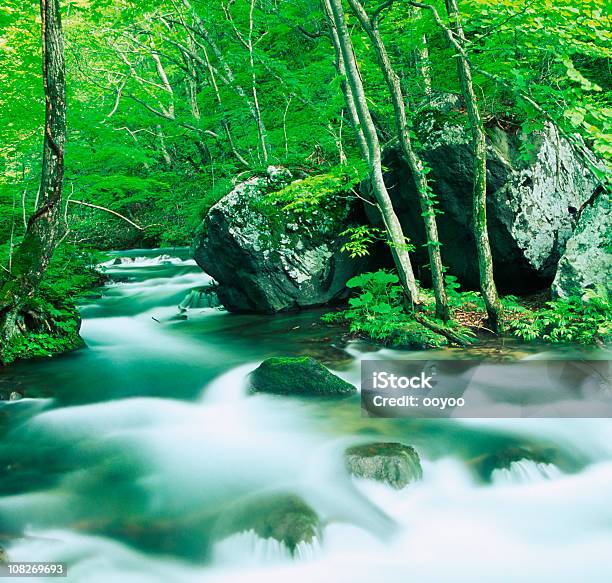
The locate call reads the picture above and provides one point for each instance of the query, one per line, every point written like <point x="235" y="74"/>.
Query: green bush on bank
<point x="50" y="322"/>
<point x="586" y="320"/>
<point x="377" y="312"/>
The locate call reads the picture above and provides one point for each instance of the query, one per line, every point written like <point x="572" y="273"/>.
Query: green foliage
<point x="50" y="321"/>
<point x="461" y="299"/>
<point x="585" y="320"/>
<point x="377" y="312"/>
<point x="360" y="240"/>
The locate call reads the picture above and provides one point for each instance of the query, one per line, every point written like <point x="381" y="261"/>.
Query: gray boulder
<point x="586" y="263"/>
<point x="266" y="260"/>
<point x="394" y="464"/>
<point x="537" y="185"/>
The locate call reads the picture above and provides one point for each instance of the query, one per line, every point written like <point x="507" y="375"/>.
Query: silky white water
<point x="139" y="442"/>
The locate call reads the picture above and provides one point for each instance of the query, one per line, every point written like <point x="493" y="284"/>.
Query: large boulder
<point x="537" y="185"/>
<point x="297" y="376"/>
<point x="586" y="263"/>
<point x="268" y="260"/>
<point x="394" y="464"/>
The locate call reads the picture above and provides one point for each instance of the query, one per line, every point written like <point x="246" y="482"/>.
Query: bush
<point x="377" y="312"/>
<point x="586" y="320"/>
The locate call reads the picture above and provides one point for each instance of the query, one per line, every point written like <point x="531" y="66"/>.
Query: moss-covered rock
<point x="284" y="517"/>
<point x="297" y="376"/>
<point x="485" y="465"/>
<point x="394" y="464"/>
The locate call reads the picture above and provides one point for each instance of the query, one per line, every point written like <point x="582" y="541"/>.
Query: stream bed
<point x="121" y="457"/>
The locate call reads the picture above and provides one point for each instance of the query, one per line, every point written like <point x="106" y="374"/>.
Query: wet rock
<point x="394" y="464"/>
<point x="284" y="517"/>
<point x="201" y="297"/>
<point x="485" y="465"/>
<point x="537" y="184"/>
<point x="4" y="559"/>
<point x="587" y="263"/>
<point x="267" y="261"/>
<point x="298" y="376"/>
<point x="15" y="396"/>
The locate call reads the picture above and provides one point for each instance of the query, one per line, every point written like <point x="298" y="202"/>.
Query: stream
<point x="122" y="455"/>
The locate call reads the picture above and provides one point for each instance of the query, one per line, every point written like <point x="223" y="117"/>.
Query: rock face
<point x="537" y="185"/>
<point x="284" y="517"/>
<point x="586" y="263"/>
<point x="266" y="263"/>
<point x="394" y="464"/>
<point x="298" y="376"/>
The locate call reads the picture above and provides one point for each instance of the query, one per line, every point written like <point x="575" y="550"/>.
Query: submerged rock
<point x="284" y="517"/>
<point x="266" y="260"/>
<point x="298" y="376"/>
<point x="201" y="297"/>
<point x="394" y="464"/>
<point x="587" y="263"/>
<point x="487" y="464"/>
<point x="537" y="184"/>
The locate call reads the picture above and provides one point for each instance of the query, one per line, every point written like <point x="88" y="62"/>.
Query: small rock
<point x="394" y="464"/>
<point x="284" y="517"/>
<point x="298" y="376"/>
<point x="486" y="464"/>
<point x="15" y="396"/>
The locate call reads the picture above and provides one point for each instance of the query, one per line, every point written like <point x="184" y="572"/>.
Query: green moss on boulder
<point x="394" y="464"/>
<point x="298" y="376"/>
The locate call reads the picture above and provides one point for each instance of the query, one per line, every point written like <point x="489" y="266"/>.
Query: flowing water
<point x="123" y="456"/>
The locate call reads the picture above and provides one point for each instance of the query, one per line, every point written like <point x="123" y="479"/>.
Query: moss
<point x="298" y="376"/>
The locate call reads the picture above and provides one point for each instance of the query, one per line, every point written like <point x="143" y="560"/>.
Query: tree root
<point x="454" y="337"/>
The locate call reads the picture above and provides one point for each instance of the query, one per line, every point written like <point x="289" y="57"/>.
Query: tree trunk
<point x="416" y="165"/>
<point x="370" y="146"/>
<point x="479" y="197"/>
<point x="45" y="227"/>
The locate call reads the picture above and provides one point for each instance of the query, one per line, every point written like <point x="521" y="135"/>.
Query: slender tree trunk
<point x="230" y="78"/>
<point x="261" y="128"/>
<point x="45" y="227"/>
<point x="370" y="146"/>
<point x="425" y="194"/>
<point x="479" y="197"/>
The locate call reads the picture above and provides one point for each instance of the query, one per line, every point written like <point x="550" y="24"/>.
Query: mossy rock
<point x="298" y="376"/>
<point x="486" y="464"/>
<point x="394" y="464"/>
<point x="284" y="517"/>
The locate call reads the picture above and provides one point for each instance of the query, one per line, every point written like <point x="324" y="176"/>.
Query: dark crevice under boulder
<point x="537" y="185"/>
<point x="268" y="260"/>
<point x="297" y="376"/>
<point x="394" y="464"/>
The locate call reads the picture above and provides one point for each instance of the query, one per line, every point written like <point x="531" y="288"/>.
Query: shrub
<point x="377" y="312"/>
<point x="586" y="320"/>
